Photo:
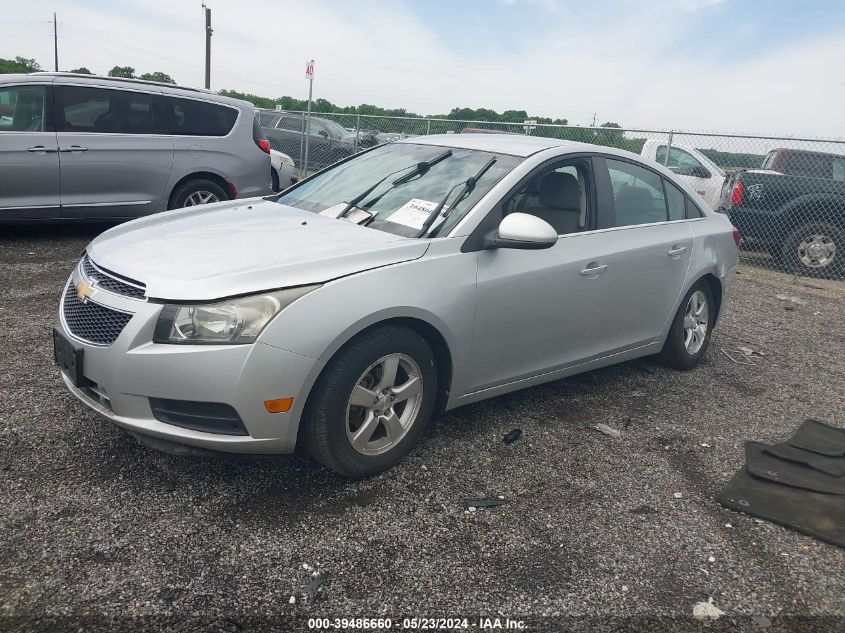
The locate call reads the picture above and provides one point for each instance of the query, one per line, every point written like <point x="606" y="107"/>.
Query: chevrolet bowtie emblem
<point x="85" y="291"/>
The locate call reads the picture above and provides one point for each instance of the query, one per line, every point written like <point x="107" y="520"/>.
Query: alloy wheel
<point x="384" y="404"/>
<point x="201" y="197"/>
<point x="696" y="318"/>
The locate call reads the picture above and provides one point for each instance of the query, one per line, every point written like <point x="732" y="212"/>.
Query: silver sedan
<point x="410" y="279"/>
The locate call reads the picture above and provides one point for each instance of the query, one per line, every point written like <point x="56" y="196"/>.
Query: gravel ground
<point x="97" y="532"/>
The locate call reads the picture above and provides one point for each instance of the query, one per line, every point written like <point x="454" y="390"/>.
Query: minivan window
<point x="22" y="109"/>
<point x="189" y="117"/>
<point x="103" y="111"/>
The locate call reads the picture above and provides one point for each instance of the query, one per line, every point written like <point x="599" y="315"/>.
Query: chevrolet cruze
<point x="410" y="279"/>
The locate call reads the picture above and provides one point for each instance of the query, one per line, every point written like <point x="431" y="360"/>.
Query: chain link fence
<point x="786" y="195"/>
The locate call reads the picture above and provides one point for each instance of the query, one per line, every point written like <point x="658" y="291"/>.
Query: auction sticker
<point x="414" y="213"/>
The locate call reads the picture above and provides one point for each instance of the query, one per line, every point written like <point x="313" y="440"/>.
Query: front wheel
<point x="689" y="334"/>
<point x="814" y="250"/>
<point x="372" y="402"/>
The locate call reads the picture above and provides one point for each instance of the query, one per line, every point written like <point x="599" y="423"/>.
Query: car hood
<point x="231" y="248"/>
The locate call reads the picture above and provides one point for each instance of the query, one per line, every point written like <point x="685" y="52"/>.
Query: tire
<point x="815" y="249"/>
<point x="677" y="351"/>
<point x="274" y="179"/>
<point x="331" y="421"/>
<point x="182" y="195"/>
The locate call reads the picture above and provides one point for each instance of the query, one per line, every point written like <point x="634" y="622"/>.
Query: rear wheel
<point x="195" y="192"/>
<point x="372" y="402"/>
<point x="815" y="249"/>
<point x="689" y="334"/>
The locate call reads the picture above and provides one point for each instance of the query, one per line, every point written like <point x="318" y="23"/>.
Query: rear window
<point x="189" y="117"/>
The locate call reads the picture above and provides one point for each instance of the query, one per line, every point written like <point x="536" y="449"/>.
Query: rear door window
<point x="190" y="117"/>
<point x="22" y="109"/>
<point x="103" y="111"/>
<point x="637" y="194"/>
<point x="675" y="201"/>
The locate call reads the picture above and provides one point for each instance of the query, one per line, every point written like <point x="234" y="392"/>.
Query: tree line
<point x="24" y="65"/>
<point x="608" y="133"/>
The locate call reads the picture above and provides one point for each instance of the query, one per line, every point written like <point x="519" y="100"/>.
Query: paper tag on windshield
<point x="335" y="210"/>
<point x="414" y="213"/>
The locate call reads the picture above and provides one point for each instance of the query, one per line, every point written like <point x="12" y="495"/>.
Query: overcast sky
<point x="767" y="66"/>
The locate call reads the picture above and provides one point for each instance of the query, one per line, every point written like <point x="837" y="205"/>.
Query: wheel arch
<point x="811" y="208"/>
<point x="217" y="179"/>
<point x="429" y="332"/>
<point x="715" y="285"/>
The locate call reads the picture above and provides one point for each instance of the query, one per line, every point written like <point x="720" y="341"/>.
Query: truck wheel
<point x="815" y="249"/>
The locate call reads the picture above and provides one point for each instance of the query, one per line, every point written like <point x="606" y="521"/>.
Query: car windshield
<point x="403" y="207"/>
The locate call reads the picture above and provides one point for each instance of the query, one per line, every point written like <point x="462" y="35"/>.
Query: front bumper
<point x="125" y="374"/>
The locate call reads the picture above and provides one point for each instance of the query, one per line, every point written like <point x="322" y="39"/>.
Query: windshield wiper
<point x="419" y="169"/>
<point x="469" y="186"/>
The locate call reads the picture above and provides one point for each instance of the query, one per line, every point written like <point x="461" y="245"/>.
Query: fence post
<point x="428" y="127"/>
<point x="357" y="131"/>
<point x="302" y="170"/>
<point x="668" y="149"/>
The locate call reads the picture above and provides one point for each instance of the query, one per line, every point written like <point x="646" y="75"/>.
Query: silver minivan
<point x="88" y="147"/>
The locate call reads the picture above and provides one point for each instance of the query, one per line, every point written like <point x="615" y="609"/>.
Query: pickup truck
<point x="793" y="207"/>
<point x="693" y="167"/>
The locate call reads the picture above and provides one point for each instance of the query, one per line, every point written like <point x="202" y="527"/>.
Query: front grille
<point x="90" y="321"/>
<point x="111" y="282"/>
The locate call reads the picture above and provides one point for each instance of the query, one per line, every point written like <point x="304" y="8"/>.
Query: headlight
<point x="238" y="320"/>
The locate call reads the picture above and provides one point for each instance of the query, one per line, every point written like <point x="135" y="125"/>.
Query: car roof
<point x="103" y="80"/>
<point x="514" y="144"/>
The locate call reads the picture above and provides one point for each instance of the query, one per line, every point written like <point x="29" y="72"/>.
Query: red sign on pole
<point x="309" y="69"/>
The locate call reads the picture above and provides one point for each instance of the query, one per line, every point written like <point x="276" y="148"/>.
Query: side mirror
<point x="697" y="171"/>
<point x="323" y="133"/>
<point x="521" y="230"/>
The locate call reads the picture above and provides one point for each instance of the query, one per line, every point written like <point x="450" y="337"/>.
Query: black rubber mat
<point x="831" y="465"/>
<point x="813" y="513"/>
<point x="820" y="438"/>
<point x="764" y="466"/>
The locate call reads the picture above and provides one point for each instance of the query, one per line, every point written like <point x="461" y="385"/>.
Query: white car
<point x="283" y="170"/>
<point x="691" y="166"/>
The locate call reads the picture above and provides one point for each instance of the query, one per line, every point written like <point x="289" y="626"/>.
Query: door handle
<point x="591" y="270"/>
<point x="74" y="148"/>
<point x="675" y="251"/>
<point x="41" y="148"/>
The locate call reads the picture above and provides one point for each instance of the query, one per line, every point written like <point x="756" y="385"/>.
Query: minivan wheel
<point x="689" y="334"/>
<point x="815" y="250"/>
<point x="196" y="192"/>
<point x="372" y="402"/>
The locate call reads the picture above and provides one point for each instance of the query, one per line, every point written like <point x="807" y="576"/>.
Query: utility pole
<point x="208" y="32"/>
<point x="594" y="119"/>
<point x="55" y="42"/>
